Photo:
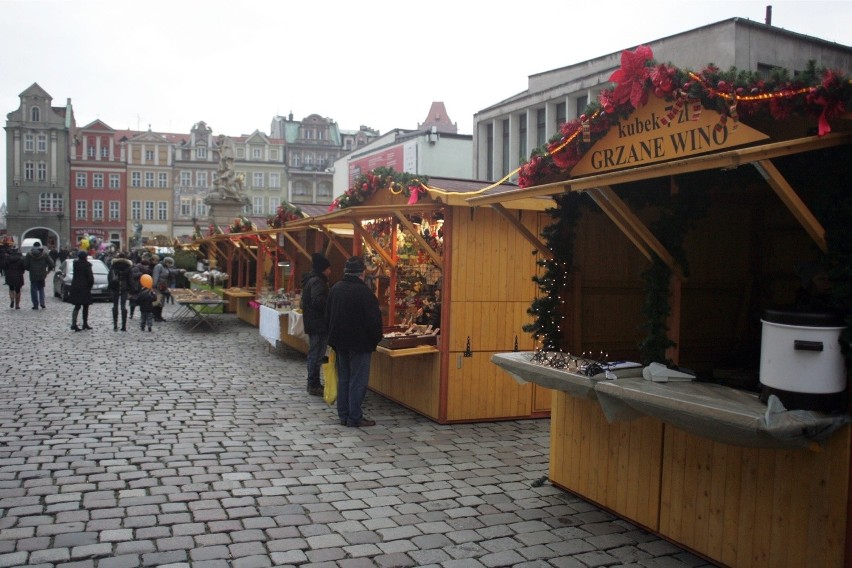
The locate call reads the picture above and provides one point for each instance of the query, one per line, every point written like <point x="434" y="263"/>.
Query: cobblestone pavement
<point x="201" y="448"/>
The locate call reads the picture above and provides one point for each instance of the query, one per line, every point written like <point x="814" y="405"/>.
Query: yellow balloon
<point x="84" y="244"/>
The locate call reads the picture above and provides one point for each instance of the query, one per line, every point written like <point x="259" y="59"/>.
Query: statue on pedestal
<point x="228" y="185"/>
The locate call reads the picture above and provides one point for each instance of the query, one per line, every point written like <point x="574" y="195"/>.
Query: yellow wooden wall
<point x="755" y="508"/>
<point x="490" y="291"/>
<point x="411" y="381"/>
<point x="616" y="465"/>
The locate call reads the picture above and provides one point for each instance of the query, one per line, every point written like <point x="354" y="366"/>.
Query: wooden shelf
<point x="408" y="352"/>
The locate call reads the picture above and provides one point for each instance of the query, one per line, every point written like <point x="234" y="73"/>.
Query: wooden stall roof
<point x="458" y="192"/>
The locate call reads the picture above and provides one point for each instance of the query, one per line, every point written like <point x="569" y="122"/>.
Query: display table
<point x="195" y="306"/>
<point x="243" y="298"/>
<point x="279" y="326"/>
<point x="708" y="467"/>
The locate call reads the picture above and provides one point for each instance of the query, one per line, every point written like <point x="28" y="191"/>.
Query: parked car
<point x="65" y="271"/>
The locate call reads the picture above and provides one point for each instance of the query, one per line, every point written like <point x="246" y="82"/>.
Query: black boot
<point x="86" y="317"/>
<point x="123" y="320"/>
<point x="115" y="318"/>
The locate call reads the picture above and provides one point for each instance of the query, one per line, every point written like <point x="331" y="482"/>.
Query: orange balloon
<point x="146" y="280"/>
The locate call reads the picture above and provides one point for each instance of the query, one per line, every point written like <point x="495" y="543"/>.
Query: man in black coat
<point x="354" y="330"/>
<point x="314" y="297"/>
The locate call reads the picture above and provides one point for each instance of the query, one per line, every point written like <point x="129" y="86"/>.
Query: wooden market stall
<point x="726" y="216"/>
<point x="472" y="266"/>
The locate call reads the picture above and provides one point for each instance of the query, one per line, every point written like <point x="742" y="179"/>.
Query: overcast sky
<point x="168" y="64"/>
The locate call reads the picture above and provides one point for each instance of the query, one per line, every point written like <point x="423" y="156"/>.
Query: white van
<point x="28" y="244"/>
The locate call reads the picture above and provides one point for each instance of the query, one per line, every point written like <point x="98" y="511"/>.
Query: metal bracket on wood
<point x="467" y="351"/>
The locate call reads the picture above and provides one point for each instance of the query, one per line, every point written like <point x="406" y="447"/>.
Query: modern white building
<point x="506" y="133"/>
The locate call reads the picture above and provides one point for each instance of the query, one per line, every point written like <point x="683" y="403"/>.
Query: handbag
<point x="329" y="372"/>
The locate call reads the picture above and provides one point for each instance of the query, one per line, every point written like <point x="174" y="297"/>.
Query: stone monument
<point x="227" y="199"/>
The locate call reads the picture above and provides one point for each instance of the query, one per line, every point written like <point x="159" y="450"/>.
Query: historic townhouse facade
<point x="37" y="167"/>
<point x="195" y="164"/>
<point x="259" y="162"/>
<point x="150" y="171"/>
<point x="98" y="186"/>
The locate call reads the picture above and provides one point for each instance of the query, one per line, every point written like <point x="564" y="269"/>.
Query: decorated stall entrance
<point x="689" y="203"/>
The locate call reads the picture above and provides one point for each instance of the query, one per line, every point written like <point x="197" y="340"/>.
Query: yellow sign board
<point x="646" y="137"/>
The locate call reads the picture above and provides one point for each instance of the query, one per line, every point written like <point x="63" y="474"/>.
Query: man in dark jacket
<point x="314" y="297"/>
<point x="39" y="265"/>
<point x="354" y="330"/>
<point x="120" y="285"/>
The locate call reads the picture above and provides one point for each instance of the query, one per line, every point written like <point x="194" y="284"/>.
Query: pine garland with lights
<point x="367" y="184"/>
<point x="547" y="309"/>
<point x="285" y="212"/>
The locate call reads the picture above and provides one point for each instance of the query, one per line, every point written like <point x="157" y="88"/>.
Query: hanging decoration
<point x="736" y="95"/>
<point x="285" y="213"/>
<point x="241" y="224"/>
<point x="365" y="185"/>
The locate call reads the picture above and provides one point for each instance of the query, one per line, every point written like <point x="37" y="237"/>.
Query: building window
<point x="541" y="127"/>
<point x="163" y="179"/>
<point x="35" y="114"/>
<point x="255" y="153"/>
<point x="135" y="179"/>
<point x="80" y="208"/>
<point x="201" y="152"/>
<point x="257" y="206"/>
<point x="309" y="161"/>
<point x="522" y="136"/>
<point x="505" y="147"/>
<point x="241" y="152"/>
<point x="162" y="210"/>
<point x="149" y="155"/>
<point x="185" y="178"/>
<point x="114" y="181"/>
<point x="149" y="210"/>
<point x="90" y="151"/>
<point x="136" y="210"/>
<point x="273" y="154"/>
<point x="201" y="179"/>
<point x="98" y="181"/>
<point x="149" y="179"/>
<point x="274" y="202"/>
<point x="489" y="151"/>
<point x="114" y="210"/>
<point x="275" y="180"/>
<point x="257" y="180"/>
<point x="185" y="206"/>
<point x="320" y="134"/>
<point x="42" y="143"/>
<point x="41" y="170"/>
<point x="28" y="143"/>
<point x="561" y="117"/>
<point x="50" y="202"/>
<point x="324" y="190"/>
<point x="104" y="151"/>
<point x="97" y="209"/>
<point x="29" y="171"/>
<point x="299" y="188"/>
<point x="81" y="179"/>
<point x="581" y="104"/>
<point x="200" y="209"/>
<point x="295" y="158"/>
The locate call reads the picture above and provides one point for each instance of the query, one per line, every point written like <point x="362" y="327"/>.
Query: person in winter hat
<point x="81" y="289"/>
<point x="39" y="265"/>
<point x="314" y="296"/>
<point x="120" y="286"/>
<point x="354" y="329"/>
<point x="140" y="268"/>
<point x="13" y="268"/>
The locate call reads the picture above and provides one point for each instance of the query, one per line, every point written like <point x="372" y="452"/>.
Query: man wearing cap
<point x="39" y="265"/>
<point x="314" y="296"/>
<point x="354" y="330"/>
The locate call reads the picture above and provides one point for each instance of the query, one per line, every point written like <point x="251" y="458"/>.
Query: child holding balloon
<point x="145" y="300"/>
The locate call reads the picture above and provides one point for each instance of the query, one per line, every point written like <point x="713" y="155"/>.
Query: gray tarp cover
<point x="711" y="411"/>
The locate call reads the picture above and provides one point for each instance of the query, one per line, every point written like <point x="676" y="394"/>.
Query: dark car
<point x="65" y="271"/>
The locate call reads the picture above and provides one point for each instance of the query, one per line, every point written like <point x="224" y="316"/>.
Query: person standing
<point x="39" y="265"/>
<point x="145" y="299"/>
<point x="140" y="268"/>
<point x="314" y="297"/>
<point x="120" y="285"/>
<point x="354" y="329"/>
<point x="81" y="289"/>
<point x="13" y="268"/>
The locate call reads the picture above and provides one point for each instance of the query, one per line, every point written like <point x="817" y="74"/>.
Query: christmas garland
<point x="241" y="224"/>
<point x="285" y="212"/>
<point x="365" y="185"/>
<point x="559" y="238"/>
<point x="736" y="95"/>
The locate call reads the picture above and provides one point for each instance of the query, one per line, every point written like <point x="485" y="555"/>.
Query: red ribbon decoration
<point x="416" y="192"/>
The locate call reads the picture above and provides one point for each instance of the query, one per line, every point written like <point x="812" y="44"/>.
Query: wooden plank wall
<point x="616" y="465"/>
<point x="757" y="508"/>
<point x="491" y="289"/>
<point x="411" y="381"/>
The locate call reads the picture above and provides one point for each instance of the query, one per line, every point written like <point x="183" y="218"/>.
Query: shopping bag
<point x="329" y="372"/>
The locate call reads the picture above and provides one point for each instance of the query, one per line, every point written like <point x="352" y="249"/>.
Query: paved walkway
<point x="201" y="448"/>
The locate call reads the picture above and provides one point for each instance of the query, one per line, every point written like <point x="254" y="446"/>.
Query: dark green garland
<point x="559" y="237"/>
<point x="677" y="217"/>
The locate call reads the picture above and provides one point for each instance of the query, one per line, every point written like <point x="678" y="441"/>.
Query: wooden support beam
<point x="368" y="238"/>
<point x="296" y="244"/>
<point x="334" y="241"/>
<point x="793" y="202"/>
<point x="633" y="227"/>
<point x="436" y="258"/>
<point x="516" y="223"/>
